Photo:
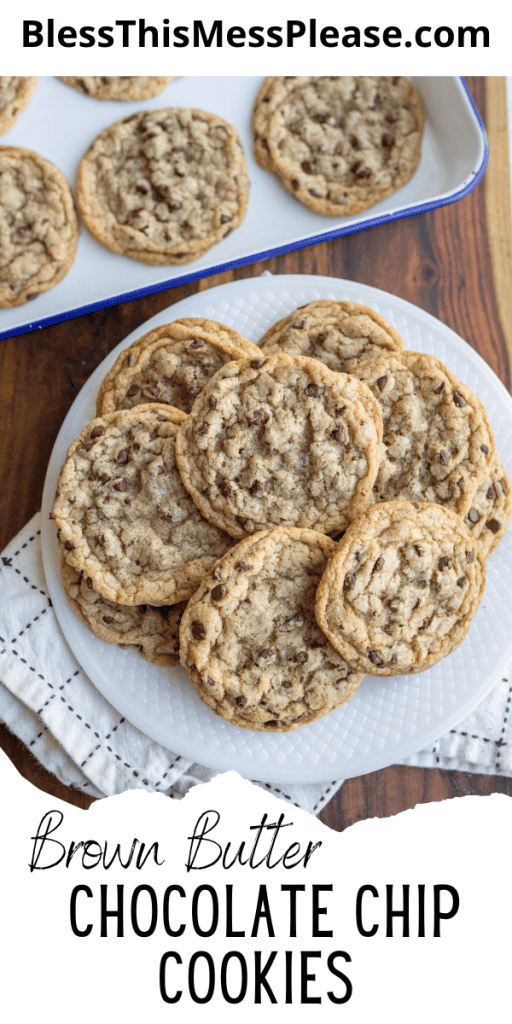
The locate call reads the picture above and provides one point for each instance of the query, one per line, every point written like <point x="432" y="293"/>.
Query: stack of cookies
<point x="308" y="510"/>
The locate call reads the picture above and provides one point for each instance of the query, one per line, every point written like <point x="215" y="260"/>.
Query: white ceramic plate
<point x="60" y="124"/>
<point x="388" y="719"/>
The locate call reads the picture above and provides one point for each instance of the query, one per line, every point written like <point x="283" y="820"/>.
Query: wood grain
<point x="442" y="261"/>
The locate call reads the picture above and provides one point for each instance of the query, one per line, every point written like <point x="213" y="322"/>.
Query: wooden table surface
<point x="454" y="262"/>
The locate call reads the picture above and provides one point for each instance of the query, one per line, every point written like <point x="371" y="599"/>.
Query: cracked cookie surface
<point x="280" y="441"/>
<point x="124" y="518"/>
<point x="438" y="442"/>
<point x="15" y="92"/>
<point x="401" y="589"/>
<point x="250" y="641"/>
<point x="171" y="364"/>
<point x="154" y="631"/>
<point x="120" y="87"/>
<point x="339" y="144"/>
<point x="339" y="334"/>
<point x="38" y="226"/>
<point x="164" y="186"/>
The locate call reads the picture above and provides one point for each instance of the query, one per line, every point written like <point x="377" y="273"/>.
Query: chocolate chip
<point x="97" y="432"/>
<point x="104" y="478"/>
<point x="257" y="488"/>
<point x="470" y="556"/>
<point x="122" y="457"/>
<point x="312" y="390"/>
<point x="394" y="604"/>
<point x="207" y="490"/>
<point x="210" y="681"/>
<point x="340" y="410"/>
<point x="133" y="390"/>
<point x="32" y="295"/>
<point x="243" y="566"/>
<point x="257" y="363"/>
<point x="462" y="582"/>
<point x="225" y="488"/>
<point x="444" y="563"/>
<point x="320" y="337"/>
<point x="439" y="390"/>
<point x="375" y="657"/>
<point x="378" y="565"/>
<point x="266" y="653"/>
<point x="365" y="172"/>
<point x="307" y="167"/>
<point x="241" y="701"/>
<point x="503" y="486"/>
<point x="295" y="184"/>
<point x="301" y="718"/>
<point x="418" y="549"/>
<point x="69" y="546"/>
<point x="301" y="657"/>
<point x="392" y="660"/>
<point x="460" y="402"/>
<point x="473" y="515"/>
<point x="493" y="525"/>
<point x="491" y="494"/>
<point x="338" y="434"/>
<point x="198" y="630"/>
<point x="258" y="417"/>
<point x="274" y="724"/>
<point x="213" y="402"/>
<point x="388" y="140"/>
<point x="203" y="429"/>
<point x="484" y="449"/>
<point x="286" y="686"/>
<point x="425" y="624"/>
<point x="442" y="457"/>
<point x="350" y="582"/>
<point x="88" y="583"/>
<point x="120" y="485"/>
<point x="225" y="219"/>
<point x="197" y="343"/>
<point x="218" y="593"/>
<point x="381" y="383"/>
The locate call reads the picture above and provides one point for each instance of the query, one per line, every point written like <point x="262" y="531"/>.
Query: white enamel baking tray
<point x="388" y="719"/>
<point x="60" y="123"/>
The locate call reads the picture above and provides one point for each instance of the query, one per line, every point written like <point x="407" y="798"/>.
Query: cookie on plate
<point x="339" y="334"/>
<point x="120" y="87"/>
<point x="15" y="92"/>
<point x="153" y="631"/>
<point x="280" y="441"/>
<point x="38" y="226"/>
<point x="124" y="518"/>
<point x="340" y="144"/>
<point x="171" y="364"/>
<point x="250" y="641"/>
<point x="491" y="508"/>
<point x="164" y="186"/>
<point x="438" y="442"/>
<point x="401" y="588"/>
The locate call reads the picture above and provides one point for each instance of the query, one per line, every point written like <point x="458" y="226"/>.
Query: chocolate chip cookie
<point x="153" y="631"/>
<point x="15" y="93"/>
<point x="124" y="518"/>
<point x="122" y="87"/>
<point x="171" y="364"/>
<point x="250" y="641"/>
<point x="164" y="186"/>
<point x="401" y="589"/>
<point x="280" y="441"/>
<point x="38" y="226"/>
<point x="339" y="144"/>
<point x="339" y="334"/>
<point x="438" y="442"/>
<point x="491" y="509"/>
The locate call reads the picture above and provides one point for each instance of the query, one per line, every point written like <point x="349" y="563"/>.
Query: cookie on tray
<point x="250" y="641"/>
<point x="401" y="588"/>
<point x="120" y="87"/>
<point x="15" y="92"/>
<point x="171" y="364"/>
<point x="280" y="441"/>
<point x="438" y="442"/>
<point x="153" y="631"/>
<point x="124" y="518"/>
<point x="339" y="334"/>
<point x="38" y="226"/>
<point x="340" y="144"/>
<point x="164" y="186"/>
<point x="491" y="508"/>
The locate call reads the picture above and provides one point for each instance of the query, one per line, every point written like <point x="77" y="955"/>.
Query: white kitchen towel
<point x="51" y="705"/>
